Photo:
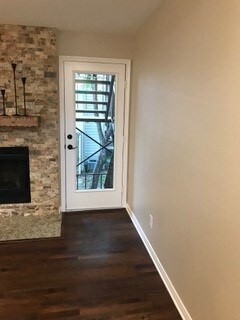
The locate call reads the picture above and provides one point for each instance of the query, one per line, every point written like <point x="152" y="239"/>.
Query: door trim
<point x="62" y="60"/>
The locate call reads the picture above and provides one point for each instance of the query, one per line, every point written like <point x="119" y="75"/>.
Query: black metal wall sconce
<point x="3" y="92"/>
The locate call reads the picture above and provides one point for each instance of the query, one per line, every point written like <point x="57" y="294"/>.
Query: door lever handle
<point x="70" y="147"/>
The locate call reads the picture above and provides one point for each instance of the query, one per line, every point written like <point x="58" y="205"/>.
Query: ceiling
<point x="108" y="16"/>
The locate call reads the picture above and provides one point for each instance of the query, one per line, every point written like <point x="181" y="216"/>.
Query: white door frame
<point x="127" y="63"/>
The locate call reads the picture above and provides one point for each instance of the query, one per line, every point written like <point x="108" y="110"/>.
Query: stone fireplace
<point x="33" y="49"/>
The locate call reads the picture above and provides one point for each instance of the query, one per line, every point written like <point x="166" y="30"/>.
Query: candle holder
<point x="3" y="101"/>
<point x="15" y="110"/>
<point x="24" y="95"/>
<point x="15" y="88"/>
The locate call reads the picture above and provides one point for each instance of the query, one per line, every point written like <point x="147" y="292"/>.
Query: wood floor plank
<point x="98" y="270"/>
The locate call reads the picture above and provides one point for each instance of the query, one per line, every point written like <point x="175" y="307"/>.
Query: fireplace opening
<point x="14" y="175"/>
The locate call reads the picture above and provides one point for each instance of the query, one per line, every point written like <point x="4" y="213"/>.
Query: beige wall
<point x="94" y="45"/>
<point x="185" y="149"/>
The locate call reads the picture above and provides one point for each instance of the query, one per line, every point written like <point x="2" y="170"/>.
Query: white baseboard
<point x="163" y="274"/>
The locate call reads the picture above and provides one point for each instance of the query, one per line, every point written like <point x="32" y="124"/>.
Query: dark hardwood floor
<point x="98" y="270"/>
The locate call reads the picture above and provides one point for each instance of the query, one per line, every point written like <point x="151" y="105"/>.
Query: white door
<point x="94" y="130"/>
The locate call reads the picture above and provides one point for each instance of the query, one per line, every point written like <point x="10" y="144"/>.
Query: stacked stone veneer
<point x="34" y="51"/>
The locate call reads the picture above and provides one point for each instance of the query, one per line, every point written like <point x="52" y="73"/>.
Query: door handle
<point x="70" y="147"/>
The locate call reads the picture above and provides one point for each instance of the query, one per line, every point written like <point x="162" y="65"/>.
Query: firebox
<point x="14" y="175"/>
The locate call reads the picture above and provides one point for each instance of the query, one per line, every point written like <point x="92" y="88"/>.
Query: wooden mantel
<point x="19" y="121"/>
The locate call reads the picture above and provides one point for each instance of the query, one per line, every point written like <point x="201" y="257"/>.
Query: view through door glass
<point x="95" y="109"/>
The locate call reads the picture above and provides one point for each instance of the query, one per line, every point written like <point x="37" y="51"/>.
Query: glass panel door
<point x="94" y="126"/>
